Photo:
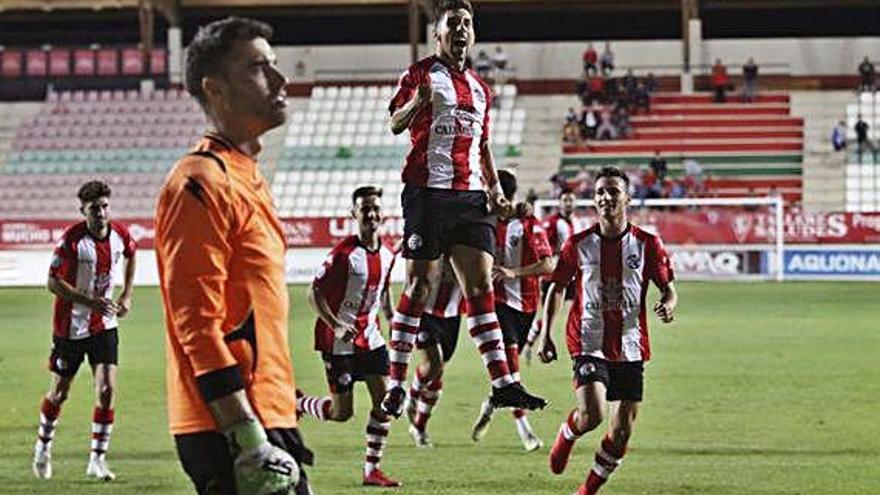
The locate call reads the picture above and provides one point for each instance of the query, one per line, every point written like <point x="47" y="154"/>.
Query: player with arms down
<point x="612" y="264"/>
<point x="220" y="251"/>
<point x="82" y="277"/>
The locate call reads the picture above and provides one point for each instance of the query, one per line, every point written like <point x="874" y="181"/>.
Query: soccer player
<point x="220" y="252"/>
<point x="521" y="257"/>
<point x="559" y="227"/>
<point x="82" y="276"/>
<point x="612" y="264"/>
<point x="448" y="169"/>
<point x="437" y="339"/>
<point x="347" y="293"/>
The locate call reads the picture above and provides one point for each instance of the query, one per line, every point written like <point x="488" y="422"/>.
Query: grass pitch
<point x="766" y="388"/>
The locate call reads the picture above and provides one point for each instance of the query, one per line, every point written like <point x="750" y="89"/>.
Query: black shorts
<point x="206" y="459"/>
<point x="515" y="325"/>
<point x="343" y="370"/>
<point x="67" y="354"/>
<point x="569" y="290"/>
<point x="434" y="220"/>
<point x="623" y="380"/>
<point x="439" y="331"/>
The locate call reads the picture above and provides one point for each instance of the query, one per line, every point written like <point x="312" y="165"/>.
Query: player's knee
<point x="58" y="395"/>
<point x="341" y="414"/>
<point x="433" y="369"/>
<point x="589" y="420"/>
<point x="105" y="394"/>
<point x="419" y="288"/>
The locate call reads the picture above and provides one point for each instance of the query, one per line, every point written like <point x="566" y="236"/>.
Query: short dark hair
<point x="508" y="184"/>
<point x="563" y="192"/>
<point x="442" y="6"/>
<point x="211" y="44"/>
<point x="93" y="190"/>
<point x="610" y="172"/>
<point x="364" y="191"/>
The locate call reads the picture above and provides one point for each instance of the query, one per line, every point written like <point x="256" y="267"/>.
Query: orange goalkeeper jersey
<point x="220" y="250"/>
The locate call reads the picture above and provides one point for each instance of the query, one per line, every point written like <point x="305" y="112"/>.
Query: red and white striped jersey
<point x="445" y="299"/>
<point x="447" y="135"/>
<point x="520" y="242"/>
<point x="559" y="229"/>
<point x="353" y="280"/>
<point x="608" y="318"/>
<point x="89" y="265"/>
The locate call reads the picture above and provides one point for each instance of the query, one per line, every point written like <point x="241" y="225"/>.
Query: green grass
<point x="767" y="388"/>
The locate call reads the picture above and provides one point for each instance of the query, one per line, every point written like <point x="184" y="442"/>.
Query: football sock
<point x="377" y="437"/>
<point x="102" y="427"/>
<point x="608" y="458"/>
<point x="316" y="407"/>
<point x="486" y="333"/>
<point x="404" y="328"/>
<point x="427" y="401"/>
<point x="569" y="427"/>
<point x="49" y="413"/>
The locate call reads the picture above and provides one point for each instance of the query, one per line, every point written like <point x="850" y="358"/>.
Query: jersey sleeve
<point x="567" y="264"/>
<point x="331" y="274"/>
<point x="193" y="229"/>
<point x="538" y="241"/>
<point x="406" y="88"/>
<point x="62" y="260"/>
<point x="660" y="267"/>
<point x="130" y="246"/>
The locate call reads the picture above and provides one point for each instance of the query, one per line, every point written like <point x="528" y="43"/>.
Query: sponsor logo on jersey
<point x="414" y="242"/>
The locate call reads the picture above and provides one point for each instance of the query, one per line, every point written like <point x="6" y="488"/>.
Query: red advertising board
<point x="36" y="63"/>
<point x="59" y="62"/>
<point x="132" y="62"/>
<point x="158" y="62"/>
<point x="84" y="62"/>
<point x="108" y="62"/>
<point x="10" y="63"/>
<point x="688" y="228"/>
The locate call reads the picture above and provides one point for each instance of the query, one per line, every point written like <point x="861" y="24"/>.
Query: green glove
<point x="260" y="467"/>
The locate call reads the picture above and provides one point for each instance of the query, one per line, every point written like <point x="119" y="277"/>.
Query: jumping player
<point x="447" y="174"/>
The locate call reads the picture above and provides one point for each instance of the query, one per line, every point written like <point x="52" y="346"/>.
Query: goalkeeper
<point x="220" y="251"/>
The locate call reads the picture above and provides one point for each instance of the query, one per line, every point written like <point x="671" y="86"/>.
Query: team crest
<point x="514" y="241"/>
<point x="633" y="261"/>
<point x="414" y="242"/>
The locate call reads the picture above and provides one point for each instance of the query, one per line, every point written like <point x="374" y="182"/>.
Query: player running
<point x="448" y="169"/>
<point x="612" y="264"/>
<point x="437" y="339"/>
<point x="522" y="256"/>
<point x="347" y="294"/>
<point x="82" y="277"/>
<point x="559" y="227"/>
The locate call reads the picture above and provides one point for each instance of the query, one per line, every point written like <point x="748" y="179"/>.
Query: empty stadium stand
<point x="863" y="172"/>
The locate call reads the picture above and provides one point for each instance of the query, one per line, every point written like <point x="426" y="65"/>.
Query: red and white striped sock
<point x="486" y="334"/>
<point x="102" y="427"/>
<point x="404" y="328"/>
<point x="316" y="407"/>
<point x="415" y="387"/>
<point x="534" y="331"/>
<point x="608" y="458"/>
<point x="428" y="398"/>
<point x="377" y="438"/>
<point x="49" y="412"/>
<point x="569" y="428"/>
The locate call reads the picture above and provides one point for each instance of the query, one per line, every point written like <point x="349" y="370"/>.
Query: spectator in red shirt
<point x="590" y="59"/>
<point x="720" y="81"/>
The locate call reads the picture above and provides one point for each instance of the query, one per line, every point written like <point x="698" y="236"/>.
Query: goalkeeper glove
<point x="260" y="467"/>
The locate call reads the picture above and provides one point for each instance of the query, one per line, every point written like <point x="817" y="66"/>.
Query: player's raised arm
<point x="411" y="96"/>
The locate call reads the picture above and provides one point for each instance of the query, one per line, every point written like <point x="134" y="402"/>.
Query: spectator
<point x="500" y="65"/>
<point x="651" y="83"/>
<point x="862" y="139"/>
<point x="483" y="65"/>
<point x="584" y="183"/>
<point x="838" y="136"/>
<point x="620" y="119"/>
<point x="606" y="61"/>
<point x="720" y="81"/>
<point x="571" y="116"/>
<point x="571" y="131"/>
<point x="867" y="75"/>
<point x="643" y="97"/>
<point x="606" y="129"/>
<point x="589" y="123"/>
<point x="558" y="182"/>
<point x="531" y="196"/>
<point x="694" y="176"/>
<point x="591" y="57"/>
<point x="630" y="82"/>
<point x="597" y="88"/>
<point x="658" y="165"/>
<point x="750" y="80"/>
